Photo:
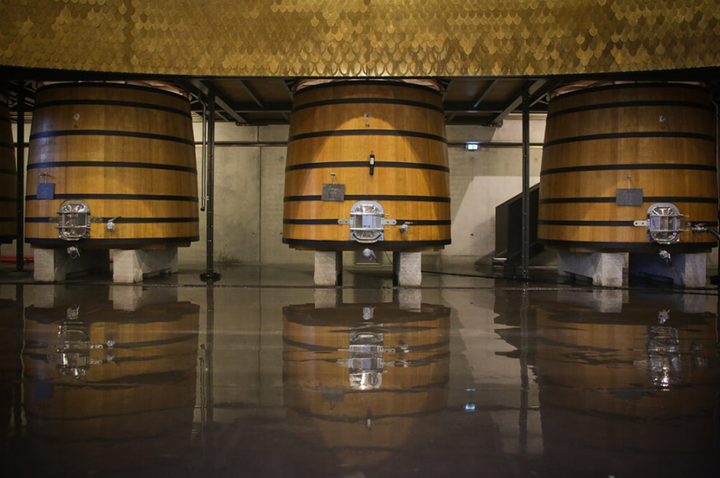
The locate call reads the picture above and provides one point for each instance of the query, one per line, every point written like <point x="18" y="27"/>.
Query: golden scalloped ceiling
<point x="360" y="37"/>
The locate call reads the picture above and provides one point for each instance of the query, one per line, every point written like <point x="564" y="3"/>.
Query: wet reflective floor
<point x="465" y="377"/>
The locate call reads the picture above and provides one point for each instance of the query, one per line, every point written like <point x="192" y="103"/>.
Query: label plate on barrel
<point x="333" y="192"/>
<point x="46" y="191"/>
<point x="629" y="197"/>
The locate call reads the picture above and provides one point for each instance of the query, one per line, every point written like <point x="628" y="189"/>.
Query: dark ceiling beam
<point x="484" y="93"/>
<point x="219" y="100"/>
<point x="251" y="93"/>
<point x="286" y="84"/>
<point x="532" y="89"/>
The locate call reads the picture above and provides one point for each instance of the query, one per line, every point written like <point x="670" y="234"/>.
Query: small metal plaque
<point x="46" y="191"/>
<point x="333" y="192"/>
<point x="629" y="197"/>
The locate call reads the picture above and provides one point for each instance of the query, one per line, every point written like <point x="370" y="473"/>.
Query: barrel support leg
<point x="133" y="265"/>
<point x="605" y="269"/>
<point x="328" y="268"/>
<point x="685" y="270"/>
<point x="54" y="265"/>
<point x="407" y="269"/>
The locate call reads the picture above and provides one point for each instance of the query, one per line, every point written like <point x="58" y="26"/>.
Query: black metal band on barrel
<point x="7" y="199"/>
<point x="7" y="238"/>
<point x="630" y="104"/>
<point x="628" y="86"/>
<point x="364" y="164"/>
<point x="367" y="132"/>
<point x="11" y="172"/>
<point x="125" y="220"/>
<point x="5" y="119"/>
<point x="331" y="222"/>
<point x="358" y="197"/>
<point x="110" y="164"/>
<point x="549" y="222"/>
<point x="7" y="219"/>
<point x="382" y="101"/>
<point x="628" y="246"/>
<point x="620" y="167"/>
<point x="113" y="242"/>
<point x="6" y="145"/>
<point x="117" y="86"/>
<point x="379" y="244"/>
<point x="646" y="199"/>
<point x="647" y="134"/>
<point x="100" y="132"/>
<point x="136" y="197"/>
<point x="130" y="104"/>
<point x="394" y="84"/>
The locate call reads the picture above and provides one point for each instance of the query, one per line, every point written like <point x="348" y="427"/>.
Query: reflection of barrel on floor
<point x="616" y="384"/>
<point x="366" y="379"/>
<point x="99" y="377"/>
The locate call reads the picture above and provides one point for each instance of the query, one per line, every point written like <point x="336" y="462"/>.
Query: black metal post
<point x="210" y="274"/>
<point x="20" y="160"/>
<point x="525" y="254"/>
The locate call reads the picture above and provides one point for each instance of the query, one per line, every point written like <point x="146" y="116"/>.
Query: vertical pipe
<point x="203" y="195"/>
<point x="210" y="274"/>
<point x="20" y="158"/>
<point x="525" y="255"/>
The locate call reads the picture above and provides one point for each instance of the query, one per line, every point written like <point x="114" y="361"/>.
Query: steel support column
<point x="20" y="196"/>
<point x="525" y="255"/>
<point x="210" y="274"/>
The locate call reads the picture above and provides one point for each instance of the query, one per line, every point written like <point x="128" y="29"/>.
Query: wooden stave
<point x="159" y="162"/>
<point x="325" y="149"/>
<point x="8" y="177"/>
<point x="597" y="237"/>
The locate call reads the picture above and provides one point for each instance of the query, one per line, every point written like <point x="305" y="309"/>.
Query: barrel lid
<point x="588" y="84"/>
<point x="158" y="85"/>
<point x="431" y="84"/>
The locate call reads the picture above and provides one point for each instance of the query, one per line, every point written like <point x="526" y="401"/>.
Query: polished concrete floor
<point x="262" y="375"/>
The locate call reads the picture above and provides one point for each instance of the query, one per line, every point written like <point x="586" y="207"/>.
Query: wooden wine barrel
<point x="336" y="127"/>
<point x="127" y="150"/>
<point x="8" y="181"/>
<point x="366" y="425"/>
<point x="608" y="385"/>
<point x="603" y="139"/>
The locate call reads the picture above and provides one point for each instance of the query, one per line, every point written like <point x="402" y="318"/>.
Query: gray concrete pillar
<point x="605" y="269"/>
<point x="685" y="270"/>
<point x="407" y="269"/>
<point x="132" y="265"/>
<point x="54" y="265"/>
<point x="328" y="268"/>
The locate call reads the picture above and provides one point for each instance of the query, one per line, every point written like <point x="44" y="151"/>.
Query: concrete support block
<point x="407" y="269"/>
<point x="685" y="270"/>
<point x="54" y="265"/>
<point x="604" y="301"/>
<point x="328" y="268"/>
<point x="410" y="299"/>
<point x="605" y="269"/>
<point x="328" y="298"/>
<point x="132" y="298"/>
<point x="133" y="265"/>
